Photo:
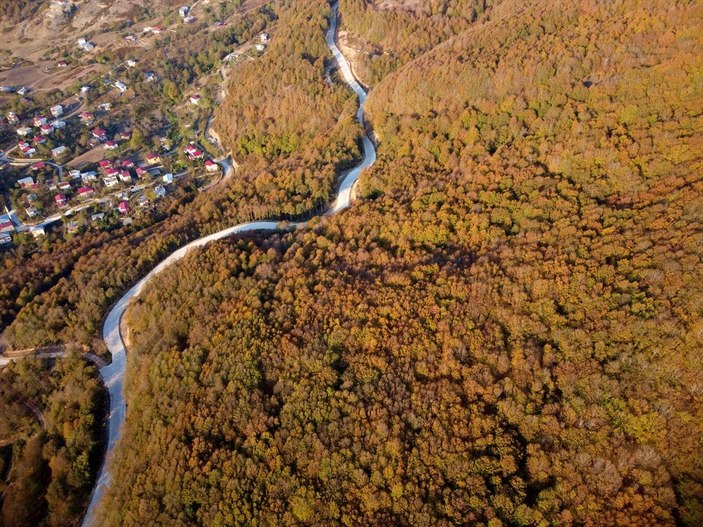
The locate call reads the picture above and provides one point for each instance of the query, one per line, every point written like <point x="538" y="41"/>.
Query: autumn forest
<point x="505" y="329"/>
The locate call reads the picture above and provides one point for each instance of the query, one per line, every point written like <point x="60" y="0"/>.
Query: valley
<point x="463" y="292"/>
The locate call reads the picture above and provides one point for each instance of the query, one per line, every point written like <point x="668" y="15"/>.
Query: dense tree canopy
<point x="390" y="34"/>
<point x="50" y="437"/>
<point x="505" y="330"/>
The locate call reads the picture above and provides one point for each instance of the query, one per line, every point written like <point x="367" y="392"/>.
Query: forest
<point x="51" y="430"/>
<point x="504" y="329"/>
<point x="389" y="38"/>
<point x="59" y="292"/>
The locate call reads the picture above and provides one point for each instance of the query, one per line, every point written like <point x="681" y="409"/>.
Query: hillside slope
<point x="383" y="35"/>
<point x="506" y="330"/>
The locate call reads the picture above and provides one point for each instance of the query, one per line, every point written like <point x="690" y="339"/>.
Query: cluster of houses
<point x="113" y="172"/>
<point x="37" y="133"/>
<point x="41" y="129"/>
<point x="22" y="90"/>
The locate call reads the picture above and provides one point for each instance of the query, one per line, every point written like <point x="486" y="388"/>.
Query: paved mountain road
<point x="113" y="374"/>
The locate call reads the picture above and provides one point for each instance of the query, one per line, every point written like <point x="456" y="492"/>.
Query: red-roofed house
<point x="99" y="134"/>
<point x="125" y="176"/>
<point x="39" y="140"/>
<point x="6" y="224"/>
<point x="39" y="120"/>
<point x="46" y="129"/>
<point x="141" y="172"/>
<point x="38" y="165"/>
<point x="124" y="207"/>
<point x="127" y="164"/>
<point x="153" y="159"/>
<point x="105" y="163"/>
<point x="60" y="200"/>
<point x="84" y="192"/>
<point x="211" y="166"/>
<point x="111" y="145"/>
<point x="26" y="182"/>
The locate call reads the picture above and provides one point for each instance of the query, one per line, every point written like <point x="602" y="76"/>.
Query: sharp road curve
<point x="113" y="374"/>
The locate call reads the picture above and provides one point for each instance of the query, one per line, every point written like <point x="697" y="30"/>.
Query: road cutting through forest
<point x="113" y="374"/>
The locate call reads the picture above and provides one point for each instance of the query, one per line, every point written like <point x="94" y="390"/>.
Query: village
<point x="51" y="185"/>
<point x="110" y="149"/>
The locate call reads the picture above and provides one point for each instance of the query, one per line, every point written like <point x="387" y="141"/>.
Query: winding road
<point x="113" y="374"/>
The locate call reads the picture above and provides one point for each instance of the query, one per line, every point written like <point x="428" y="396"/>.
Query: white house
<point x="121" y="86"/>
<point x="57" y="124"/>
<point x="59" y="151"/>
<point x="25" y="182"/>
<point x="211" y="166"/>
<point x="24" y="131"/>
<point x="168" y="178"/>
<point x="195" y="99"/>
<point x="57" y="110"/>
<point x="85" y="45"/>
<point x="110" y="181"/>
